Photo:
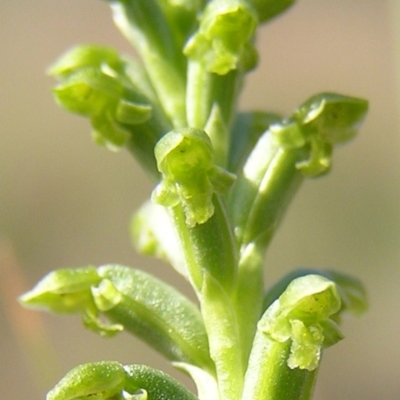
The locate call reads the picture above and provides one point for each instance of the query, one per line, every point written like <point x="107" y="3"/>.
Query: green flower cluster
<point x="223" y="181"/>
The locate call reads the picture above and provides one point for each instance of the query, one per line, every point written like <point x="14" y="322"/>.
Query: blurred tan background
<point x="65" y="202"/>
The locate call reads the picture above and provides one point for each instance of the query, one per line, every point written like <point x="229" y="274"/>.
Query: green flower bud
<point x="185" y="159"/>
<point x="326" y="120"/>
<point x="302" y="315"/>
<point x="224" y="36"/>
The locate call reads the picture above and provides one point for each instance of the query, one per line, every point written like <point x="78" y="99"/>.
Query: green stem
<point x="204" y="89"/>
<point x="248" y="297"/>
<point x="207" y="91"/>
<point x="224" y="338"/>
<point x="199" y="98"/>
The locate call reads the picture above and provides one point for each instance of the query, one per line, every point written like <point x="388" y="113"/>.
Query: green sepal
<point x="63" y="291"/>
<point x="132" y="113"/>
<point x="102" y="380"/>
<point x="108" y="133"/>
<point x="91" y="320"/>
<point x="335" y="117"/>
<point x="189" y="177"/>
<point x="88" y="91"/>
<point x="317" y="152"/>
<point x="156" y="384"/>
<point x="268" y="9"/>
<point x="224" y="36"/>
<point x="351" y="291"/>
<point x="83" y="56"/>
<point x="300" y="315"/>
<point x="68" y="291"/>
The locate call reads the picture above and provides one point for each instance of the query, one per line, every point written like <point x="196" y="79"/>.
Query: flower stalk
<point x="223" y="182"/>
